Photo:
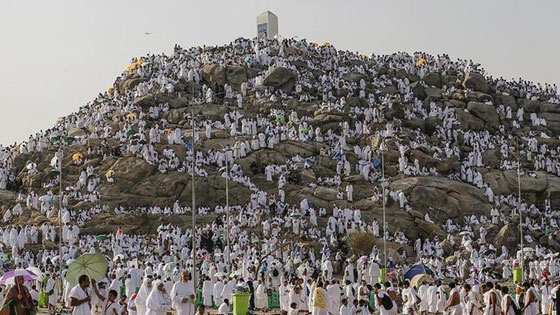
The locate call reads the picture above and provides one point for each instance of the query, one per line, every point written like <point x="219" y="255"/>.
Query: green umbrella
<point x="93" y="265"/>
<point x="101" y="237"/>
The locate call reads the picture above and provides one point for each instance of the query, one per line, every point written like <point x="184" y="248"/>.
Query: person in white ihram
<point x="80" y="297"/>
<point x="158" y="302"/>
<point x="183" y="295"/>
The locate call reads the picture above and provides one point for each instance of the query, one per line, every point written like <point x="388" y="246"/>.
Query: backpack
<point x="386" y="302"/>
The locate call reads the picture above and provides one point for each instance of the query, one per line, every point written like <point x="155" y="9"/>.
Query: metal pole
<point x="384" y="223"/>
<point x="60" y="214"/>
<point x="227" y="218"/>
<point x="193" y="193"/>
<point x="520" y="215"/>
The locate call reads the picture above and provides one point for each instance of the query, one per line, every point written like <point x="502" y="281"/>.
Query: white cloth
<point x="158" y="303"/>
<point x="79" y="294"/>
<point x="183" y="290"/>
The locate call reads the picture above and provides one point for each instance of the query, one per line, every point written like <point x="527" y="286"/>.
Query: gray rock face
<point x="354" y="77"/>
<point x="281" y="78"/>
<point x="213" y="73"/>
<point x="432" y="79"/>
<point x="505" y="182"/>
<point x="236" y="75"/>
<point x="530" y="106"/>
<point x="552" y="121"/>
<point x="442" y="197"/>
<point x="151" y="100"/>
<point x="418" y="90"/>
<point x="443" y="166"/>
<point x="467" y="121"/>
<point x="325" y="193"/>
<point x="434" y="93"/>
<point x="130" y="83"/>
<point x="485" y="112"/>
<point x="6" y="196"/>
<point x="508" y="236"/>
<point x="132" y="169"/>
<point x="477" y="82"/>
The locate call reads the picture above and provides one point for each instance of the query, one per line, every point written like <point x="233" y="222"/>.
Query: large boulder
<point x="477" y="82"/>
<point x="76" y="132"/>
<point x="509" y="100"/>
<point x="132" y="169"/>
<point x="354" y="77"/>
<point x="530" y="106"/>
<point x="152" y="100"/>
<point x="432" y="79"/>
<point x="325" y="118"/>
<point x="441" y="165"/>
<point x="505" y="182"/>
<point x="130" y="83"/>
<point x="508" y="236"/>
<point x="418" y="90"/>
<point x="163" y="185"/>
<point x="467" y="121"/>
<point x="442" y="197"/>
<point x="485" y="112"/>
<point x="213" y="73"/>
<point x="325" y="193"/>
<point x="490" y="158"/>
<point x="434" y="93"/>
<point x="7" y="197"/>
<point x="552" y="121"/>
<point x="550" y="108"/>
<point x="235" y="75"/>
<point x="281" y="78"/>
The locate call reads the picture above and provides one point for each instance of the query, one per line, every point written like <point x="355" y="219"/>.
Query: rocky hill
<point x="450" y="131"/>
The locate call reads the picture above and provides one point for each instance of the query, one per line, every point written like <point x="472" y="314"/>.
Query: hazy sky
<point x="56" y="55"/>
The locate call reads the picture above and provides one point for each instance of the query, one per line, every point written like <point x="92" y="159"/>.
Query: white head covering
<point x="144" y="292"/>
<point x="157" y="301"/>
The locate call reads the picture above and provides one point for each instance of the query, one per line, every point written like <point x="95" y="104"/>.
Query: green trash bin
<point x="382" y="275"/>
<point x="517" y="275"/>
<point x="241" y="303"/>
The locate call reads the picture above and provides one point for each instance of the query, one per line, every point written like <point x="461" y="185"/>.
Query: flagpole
<point x="519" y="208"/>
<point x="193" y="189"/>
<point x="60" y="155"/>
<point x="227" y="258"/>
<point x="384" y="222"/>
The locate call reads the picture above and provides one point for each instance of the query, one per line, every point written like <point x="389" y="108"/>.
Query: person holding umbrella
<point x="18" y="300"/>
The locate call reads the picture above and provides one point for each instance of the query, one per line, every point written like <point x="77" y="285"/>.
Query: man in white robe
<point x="217" y="292"/>
<point x="129" y="286"/>
<point x="349" y="191"/>
<point x="7" y="216"/>
<point x="261" y="298"/>
<point x="52" y="291"/>
<point x="80" y="297"/>
<point x="207" y="288"/>
<point x="284" y="291"/>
